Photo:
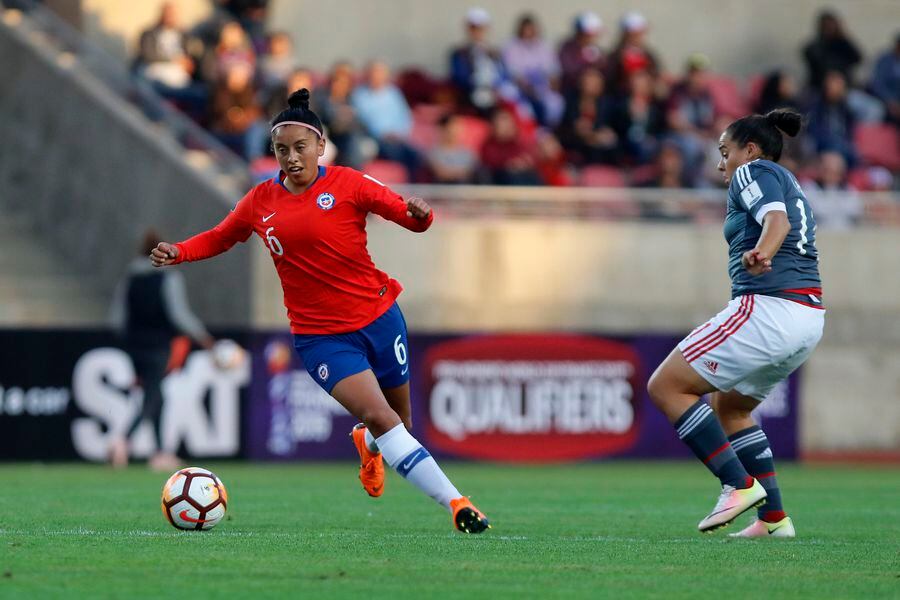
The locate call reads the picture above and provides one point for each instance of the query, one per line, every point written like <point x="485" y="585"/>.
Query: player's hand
<point x="756" y="262"/>
<point x="417" y="208"/>
<point x="164" y="254"/>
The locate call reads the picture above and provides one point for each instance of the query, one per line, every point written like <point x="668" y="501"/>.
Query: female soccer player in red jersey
<point x="347" y="326"/>
<point x="770" y="327"/>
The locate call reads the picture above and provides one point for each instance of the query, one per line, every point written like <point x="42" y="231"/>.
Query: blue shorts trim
<point x="381" y="346"/>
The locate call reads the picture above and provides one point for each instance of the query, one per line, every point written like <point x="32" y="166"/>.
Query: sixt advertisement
<point x="512" y="398"/>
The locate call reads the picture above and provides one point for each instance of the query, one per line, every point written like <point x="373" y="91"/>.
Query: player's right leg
<point x="675" y="388"/>
<point x="752" y="447"/>
<point x="362" y="396"/>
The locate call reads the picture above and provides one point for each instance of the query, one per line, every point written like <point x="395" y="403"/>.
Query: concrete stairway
<point x="36" y="287"/>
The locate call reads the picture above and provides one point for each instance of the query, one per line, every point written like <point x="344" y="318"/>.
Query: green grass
<point x="623" y="530"/>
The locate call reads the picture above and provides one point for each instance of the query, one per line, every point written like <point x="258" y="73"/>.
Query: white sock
<point x="407" y="456"/>
<point x="370" y="442"/>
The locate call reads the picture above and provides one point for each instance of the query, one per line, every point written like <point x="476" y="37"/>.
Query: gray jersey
<point x="757" y="188"/>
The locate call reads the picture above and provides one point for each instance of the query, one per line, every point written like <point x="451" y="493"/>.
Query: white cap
<point x="588" y="22"/>
<point x="478" y="17"/>
<point x="634" y="21"/>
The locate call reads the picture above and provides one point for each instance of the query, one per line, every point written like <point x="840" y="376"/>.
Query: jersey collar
<point x="279" y="180"/>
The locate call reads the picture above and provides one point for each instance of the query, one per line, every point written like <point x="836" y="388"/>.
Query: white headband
<point x="307" y="125"/>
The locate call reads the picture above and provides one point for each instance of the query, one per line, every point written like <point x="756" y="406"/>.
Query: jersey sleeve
<point x="373" y="196"/>
<point x="758" y="191"/>
<point x="235" y="227"/>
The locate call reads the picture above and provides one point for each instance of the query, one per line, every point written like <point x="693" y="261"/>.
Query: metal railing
<point x="833" y="209"/>
<point x="48" y="31"/>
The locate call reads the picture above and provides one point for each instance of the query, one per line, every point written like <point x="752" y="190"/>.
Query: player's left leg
<point x="752" y="447"/>
<point x="362" y="395"/>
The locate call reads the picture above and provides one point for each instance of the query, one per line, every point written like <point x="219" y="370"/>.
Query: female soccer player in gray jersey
<point x="769" y="328"/>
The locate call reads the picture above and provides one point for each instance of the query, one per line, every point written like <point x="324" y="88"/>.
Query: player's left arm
<point x="414" y="214"/>
<point x="760" y="193"/>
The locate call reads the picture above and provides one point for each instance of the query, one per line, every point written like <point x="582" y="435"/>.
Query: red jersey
<point x="317" y="241"/>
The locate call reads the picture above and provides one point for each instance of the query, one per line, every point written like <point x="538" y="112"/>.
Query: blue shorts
<point x="380" y="346"/>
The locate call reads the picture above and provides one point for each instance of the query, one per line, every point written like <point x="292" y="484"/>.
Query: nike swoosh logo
<point x="405" y="370"/>
<point x="410" y="462"/>
<point x="183" y="515"/>
<point x="265" y="219"/>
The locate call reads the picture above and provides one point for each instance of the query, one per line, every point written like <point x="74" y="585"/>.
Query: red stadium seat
<point x="475" y="132"/>
<point x="602" y="176"/>
<point x="727" y="96"/>
<point x="424" y="135"/>
<point x="386" y="171"/>
<point x="878" y="144"/>
<point x="428" y="113"/>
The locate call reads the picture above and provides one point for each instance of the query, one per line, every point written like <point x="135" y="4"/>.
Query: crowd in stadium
<point x="528" y="112"/>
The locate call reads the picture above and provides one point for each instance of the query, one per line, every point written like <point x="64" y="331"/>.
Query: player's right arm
<point x="234" y="228"/>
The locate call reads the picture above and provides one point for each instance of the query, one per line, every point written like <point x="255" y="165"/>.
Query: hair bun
<point x="299" y="99"/>
<point x="786" y="120"/>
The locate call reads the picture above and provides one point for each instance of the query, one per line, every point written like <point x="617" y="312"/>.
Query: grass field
<point x="624" y="530"/>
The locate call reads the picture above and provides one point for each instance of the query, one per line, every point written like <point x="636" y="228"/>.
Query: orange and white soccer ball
<point x="194" y="498"/>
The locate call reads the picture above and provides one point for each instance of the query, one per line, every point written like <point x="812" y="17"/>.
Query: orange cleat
<point x="466" y="517"/>
<point x="371" y="470"/>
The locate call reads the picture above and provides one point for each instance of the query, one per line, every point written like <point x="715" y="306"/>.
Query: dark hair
<point x="298" y="110"/>
<point x="766" y="131"/>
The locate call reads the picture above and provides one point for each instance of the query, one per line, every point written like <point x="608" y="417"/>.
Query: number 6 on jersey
<point x="274" y="244"/>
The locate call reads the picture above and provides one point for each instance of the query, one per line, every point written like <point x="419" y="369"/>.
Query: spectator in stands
<point x="779" y="90"/>
<point x="451" y="161"/>
<point x="638" y="120"/>
<point x="386" y="116"/>
<point x="581" y="51"/>
<point x="552" y="166"/>
<point x="885" y="82"/>
<point x="278" y="63"/>
<point x="149" y="309"/>
<point x="670" y="169"/>
<point x="476" y="68"/>
<point x="332" y="104"/>
<point x="234" y="110"/>
<point x="834" y="210"/>
<point x="585" y="128"/>
<point x="508" y="159"/>
<point x="830" y="50"/>
<point x="631" y="53"/>
<point x="691" y="113"/>
<point x="162" y="55"/>
<point x="232" y="50"/>
<point x="251" y="14"/>
<point x="831" y="121"/>
<point x="534" y="68"/>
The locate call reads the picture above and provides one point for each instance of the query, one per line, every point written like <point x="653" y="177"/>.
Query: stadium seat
<point x="475" y="132"/>
<point x="878" y="144"/>
<point x="602" y="176"/>
<point x="727" y="96"/>
<point x="386" y="171"/>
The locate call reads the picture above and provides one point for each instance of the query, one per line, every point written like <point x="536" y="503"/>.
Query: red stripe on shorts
<point x="722" y="333"/>
<point x="698" y="343"/>
<point x="718" y="330"/>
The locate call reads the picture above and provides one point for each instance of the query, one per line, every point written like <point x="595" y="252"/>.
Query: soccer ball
<point x="194" y="499"/>
<point x="228" y="355"/>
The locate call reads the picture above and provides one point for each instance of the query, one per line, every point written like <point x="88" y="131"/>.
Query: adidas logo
<point x="767" y="453"/>
<point x="712" y="365"/>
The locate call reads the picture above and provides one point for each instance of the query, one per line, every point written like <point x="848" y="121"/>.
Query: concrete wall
<point x="741" y="37"/>
<point x="90" y="174"/>
<point x="620" y="278"/>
